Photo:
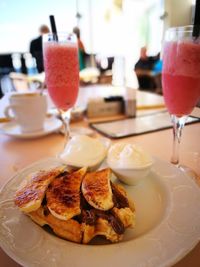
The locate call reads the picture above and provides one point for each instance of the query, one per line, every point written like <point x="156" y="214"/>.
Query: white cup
<point x="29" y="110"/>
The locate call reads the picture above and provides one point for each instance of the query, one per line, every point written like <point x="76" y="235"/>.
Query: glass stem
<point x="65" y="117"/>
<point x="178" y="124"/>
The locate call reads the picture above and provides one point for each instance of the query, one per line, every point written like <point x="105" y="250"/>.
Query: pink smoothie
<point x="181" y="76"/>
<point x="62" y="73"/>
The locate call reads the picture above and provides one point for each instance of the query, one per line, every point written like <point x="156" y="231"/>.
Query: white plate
<point x="13" y="129"/>
<point x="168" y="226"/>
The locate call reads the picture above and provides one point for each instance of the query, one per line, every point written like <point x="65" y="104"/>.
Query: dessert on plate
<point x="77" y="205"/>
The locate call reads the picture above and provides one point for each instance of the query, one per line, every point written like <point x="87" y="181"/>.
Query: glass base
<point x="190" y="165"/>
<point x="191" y="173"/>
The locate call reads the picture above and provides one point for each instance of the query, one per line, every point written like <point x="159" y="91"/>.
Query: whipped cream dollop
<point x="82" y="150"/>
<point x="123" y="155"/>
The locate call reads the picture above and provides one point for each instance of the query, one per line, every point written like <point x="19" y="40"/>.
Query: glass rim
<point x="53" y="37"/>
<point x="59" y="33"/>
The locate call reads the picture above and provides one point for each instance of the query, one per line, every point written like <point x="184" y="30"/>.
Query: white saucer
<point x="13" y="129"/>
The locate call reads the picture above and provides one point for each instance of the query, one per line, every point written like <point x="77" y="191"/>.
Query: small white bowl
<point x="80" y="157"/>
<point x="132" y="176"/>
<point x="90" y="167"/>
<point x="129" y="162"/>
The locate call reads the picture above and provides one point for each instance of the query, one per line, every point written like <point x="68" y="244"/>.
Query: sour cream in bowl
<point x="129" y="162"/>
<point x="84" y="151"/>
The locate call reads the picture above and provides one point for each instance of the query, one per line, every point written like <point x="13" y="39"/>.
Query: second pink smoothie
<point x="181" y="76"/>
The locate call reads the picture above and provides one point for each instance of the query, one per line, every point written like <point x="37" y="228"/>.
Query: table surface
<point x="17" y="153"/>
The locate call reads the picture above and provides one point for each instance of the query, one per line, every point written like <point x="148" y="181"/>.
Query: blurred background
<point x="109" y="30"/>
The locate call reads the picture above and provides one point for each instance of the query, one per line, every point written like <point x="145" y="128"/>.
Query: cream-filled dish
<point x="126" y="155"/>
<point x="129" y="162"/>
<point x="83" y="150"/>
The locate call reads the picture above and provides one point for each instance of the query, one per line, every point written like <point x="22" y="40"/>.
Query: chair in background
<point x="6" y="65"/>
<point x="14" y="82"/>
<point x="7" y="85"/>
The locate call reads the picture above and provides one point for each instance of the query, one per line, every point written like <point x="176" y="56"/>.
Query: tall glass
<point x="180" y="79"/>
<point x="60" y="53"/>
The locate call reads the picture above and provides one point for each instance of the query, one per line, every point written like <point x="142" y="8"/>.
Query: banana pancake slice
<point x="77" y="206"/>
<point x="112" y="223"/>
<point x="101" y="228"/>
<point x="32" y="191"/>
<point x="38" y="216"/>
<point x="63" y="195"/>
<point x="96" y="189"/>
<point x="69" y="230"/>
<point x="112" y="227"/>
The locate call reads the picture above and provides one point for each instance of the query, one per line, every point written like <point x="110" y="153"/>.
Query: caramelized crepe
<point x="63" y="195"/>
<point x="32" y="191"/>
<point x="78" y="206"/>
<point x="97" y="190"/>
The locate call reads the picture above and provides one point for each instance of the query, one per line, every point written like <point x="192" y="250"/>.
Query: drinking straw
<point x="196" y="28"/>
<point x="53" y="27"/>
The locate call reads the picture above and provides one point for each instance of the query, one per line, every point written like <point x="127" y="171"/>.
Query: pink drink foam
<point x="181" y="76"/>
<point x="62" y="73"/>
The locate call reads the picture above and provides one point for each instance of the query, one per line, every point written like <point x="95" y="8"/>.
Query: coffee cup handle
<point x="7" y="112"/>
